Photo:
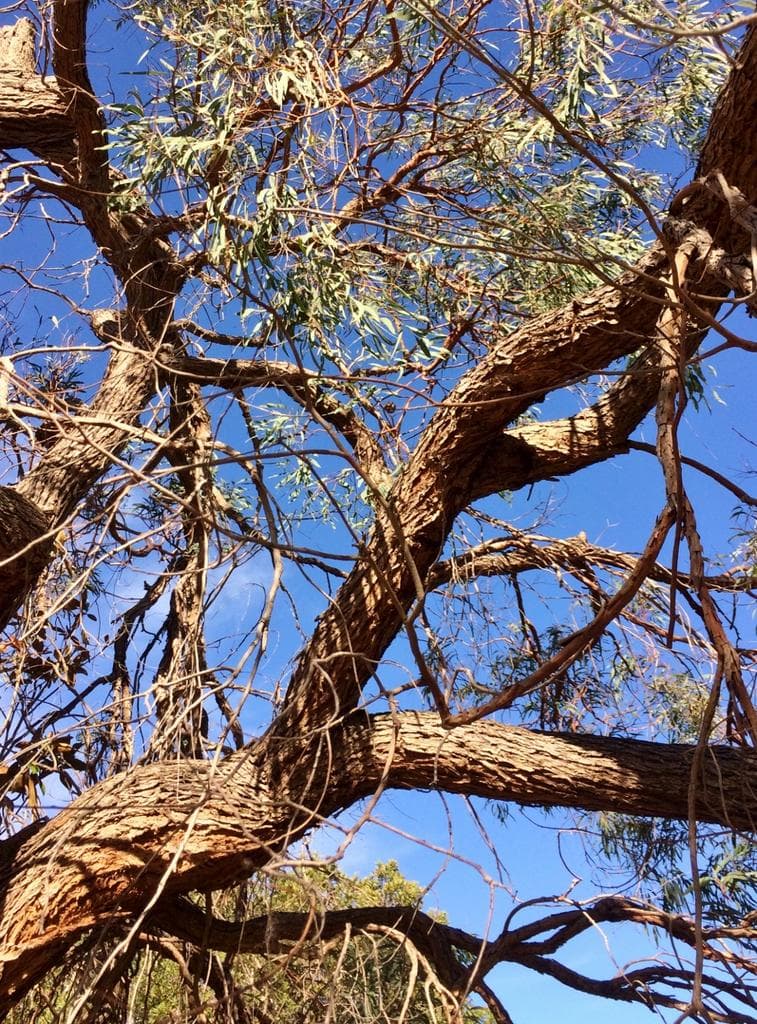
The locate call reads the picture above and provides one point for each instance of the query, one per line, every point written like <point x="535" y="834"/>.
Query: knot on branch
<point x="682" y="232"/>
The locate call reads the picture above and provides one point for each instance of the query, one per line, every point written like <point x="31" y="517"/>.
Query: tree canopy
<point x="333" y="337"/>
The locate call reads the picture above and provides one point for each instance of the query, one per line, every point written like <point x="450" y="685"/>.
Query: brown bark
<point x="463" y="453"/>
<point x="291" y="933"/>
<point x="34" y="510"/>
<point x="520" y="553"/>
<point x="33" y="117"/>
<point x="283" y="932"/>
<point x="25" y="546"/>
<point x="33" y="112"/>
<point x="276" y="932"/>
<point x="174" y="827"/>
<point x="304" y="386"/>
<point x="466" y="451"/>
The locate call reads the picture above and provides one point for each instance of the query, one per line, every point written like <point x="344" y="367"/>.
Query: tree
<point x="297" y="323"/>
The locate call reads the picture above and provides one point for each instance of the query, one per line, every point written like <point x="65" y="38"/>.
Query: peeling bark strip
<point x="190" y="825"/>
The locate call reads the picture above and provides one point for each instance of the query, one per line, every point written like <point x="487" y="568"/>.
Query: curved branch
<point x="637" y="986"/>
<point x="172" y="827"/>
<point x="529" y="552"/>
<point x="465" y="452"/>
<point x="278" y="931"/>
<point x="729" y="485"/>
<point x="566" y="925"/>
<point x="582" y="639"/>
<point x="283" y="932"/>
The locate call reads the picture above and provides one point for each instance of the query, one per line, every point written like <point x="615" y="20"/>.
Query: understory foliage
<point x="372" y="380"/>
<point x="371" y="976"/>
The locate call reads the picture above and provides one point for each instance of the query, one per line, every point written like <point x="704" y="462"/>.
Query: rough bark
<point x="33" y="117"/>
<point x="531" y="944"/>
<point x="465" y="452"/>
<point x="25" y="545"/>
<point x="169" y="828"/>
<point x="33" y="112"/>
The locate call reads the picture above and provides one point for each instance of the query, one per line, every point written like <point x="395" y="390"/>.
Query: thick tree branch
<point x="276" y="932"/>
<point x="70" y="65"/>
<point x="464" y="452"/>
<point x="191" y="825"/>
<point x="163" y="829"/>
<point x="33" y="112"/>
<point x="25" y="545"/>
<point x="149" y="274"/>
